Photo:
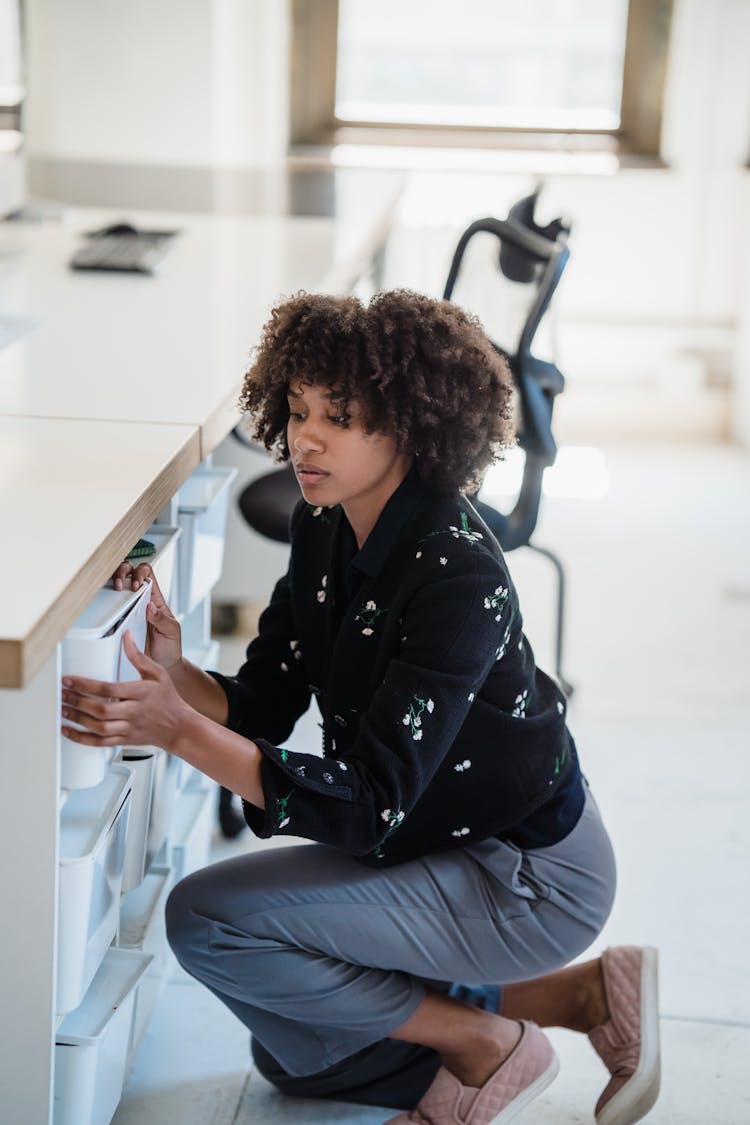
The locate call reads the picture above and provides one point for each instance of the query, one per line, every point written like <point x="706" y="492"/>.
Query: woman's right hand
<point x="164" y="639"/>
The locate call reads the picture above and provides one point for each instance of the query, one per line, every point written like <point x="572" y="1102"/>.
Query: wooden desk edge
<point x="21" y="659"/>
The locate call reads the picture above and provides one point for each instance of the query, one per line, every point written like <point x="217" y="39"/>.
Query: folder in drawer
<point x="93" y="648"/>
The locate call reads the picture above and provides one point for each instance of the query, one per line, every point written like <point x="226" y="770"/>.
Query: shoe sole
<point x="529" y="1094"/>
<point x="633" y="1100"/>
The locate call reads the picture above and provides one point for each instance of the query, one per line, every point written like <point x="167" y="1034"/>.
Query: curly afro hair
<point x="421" y="370"/>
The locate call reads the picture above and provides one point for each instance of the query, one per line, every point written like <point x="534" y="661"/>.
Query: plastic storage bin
<point x="191" y="778"/>
<point x="93" y="648"/>
<point x="167" y="773"/>
<point x="205" y="655"/>
<point x="91" y="1045"/>
<point x="93" y="827"/>
<point x="193" y="825"/>
<point x="202" y="515"/>
<point x="140" y="761"/>
<point x="164" y="562"/>
<point x="143" y="928"/>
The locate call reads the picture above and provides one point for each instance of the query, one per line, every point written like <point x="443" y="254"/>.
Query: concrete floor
<point x="657" y="646"/>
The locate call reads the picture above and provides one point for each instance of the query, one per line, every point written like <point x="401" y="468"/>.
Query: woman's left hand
<point x="144" y="712"/>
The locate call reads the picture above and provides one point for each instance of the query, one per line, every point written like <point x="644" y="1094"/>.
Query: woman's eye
<point x="340" y="419"/>
<point x="295" y="415"/>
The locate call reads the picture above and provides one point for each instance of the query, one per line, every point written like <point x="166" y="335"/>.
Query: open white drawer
<point x="93" y="648"/>
<point x="91" y="1045"/>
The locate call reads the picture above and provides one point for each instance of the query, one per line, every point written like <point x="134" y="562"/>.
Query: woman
<point x="454" y="835"/>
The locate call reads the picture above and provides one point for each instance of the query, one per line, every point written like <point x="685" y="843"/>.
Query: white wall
<point x="167" y="82"/>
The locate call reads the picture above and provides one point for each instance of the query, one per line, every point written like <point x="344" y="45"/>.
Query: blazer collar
<point x="373" y="555"/>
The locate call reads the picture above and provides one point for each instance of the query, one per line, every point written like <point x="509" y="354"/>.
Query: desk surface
<point x="126" y="383"/>
<point x="170" y="347"/>
<point x="74" y="497"/>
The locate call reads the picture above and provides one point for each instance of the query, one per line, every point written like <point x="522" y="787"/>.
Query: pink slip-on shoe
<point x="628" y="1042"/>
<point x="528" y="1069"/>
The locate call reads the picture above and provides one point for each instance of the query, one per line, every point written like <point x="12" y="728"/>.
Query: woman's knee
<point x="186" y="924"/>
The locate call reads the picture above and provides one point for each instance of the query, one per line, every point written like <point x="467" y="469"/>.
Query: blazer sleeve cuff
<point x="284" y="773"/>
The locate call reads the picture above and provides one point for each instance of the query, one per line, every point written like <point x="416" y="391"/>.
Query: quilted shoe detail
<point x="628" y="1043"/>
<point x="528" y="1070"/>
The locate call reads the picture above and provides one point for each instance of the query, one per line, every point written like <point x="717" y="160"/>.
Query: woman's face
<point x="336" y="461"/>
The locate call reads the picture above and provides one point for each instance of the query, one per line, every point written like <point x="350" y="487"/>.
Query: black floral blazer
<point x="438" y="728"/>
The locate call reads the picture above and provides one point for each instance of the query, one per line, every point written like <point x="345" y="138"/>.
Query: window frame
<point x="313" y="121"/>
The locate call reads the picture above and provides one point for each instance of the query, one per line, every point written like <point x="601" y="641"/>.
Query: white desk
<point x="106" y="407"/>
<point x="170" y="347"/>
<point x="74" y="497"/>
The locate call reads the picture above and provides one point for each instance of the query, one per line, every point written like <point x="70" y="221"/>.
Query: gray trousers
<point x="322" y="957"/>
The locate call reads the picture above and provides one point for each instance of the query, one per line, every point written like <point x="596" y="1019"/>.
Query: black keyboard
<point x="127" y="253"/>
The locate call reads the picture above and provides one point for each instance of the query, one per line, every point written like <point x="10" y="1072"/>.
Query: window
<point x="480" y="71"/>
<point x="503" y="65"/>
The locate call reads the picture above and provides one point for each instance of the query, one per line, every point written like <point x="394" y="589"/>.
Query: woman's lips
<point x="309" y="474"/>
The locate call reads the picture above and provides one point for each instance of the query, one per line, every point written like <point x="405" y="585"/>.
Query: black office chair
<point x="268" y="501"/>
<point x="533" y="257"/>
<point x="529" y="256"/>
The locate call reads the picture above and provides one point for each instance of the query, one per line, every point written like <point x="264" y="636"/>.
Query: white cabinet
<point x="129" y="828"/>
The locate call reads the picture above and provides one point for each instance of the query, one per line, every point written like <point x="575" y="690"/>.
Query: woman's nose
<point x="307" y="437"/>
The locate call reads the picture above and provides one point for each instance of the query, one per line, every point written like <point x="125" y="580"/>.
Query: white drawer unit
<point x="93" y="648"/>
<point x="164" y="561"/>
<point x="205" y="655"/>
<point x="127" y="823"/>
<point x="188" y="776"/>
<point x="193" y="822"/>
<point x="91" y="1045"/>
<point x="141" y="761"/>
<point x="167" y="779"/>
<point x="93" y="827"/>
<point x="202" y="515"/>
<point x="143" y="929"/>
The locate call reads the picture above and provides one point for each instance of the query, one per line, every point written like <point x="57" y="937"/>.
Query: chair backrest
<point x="531" y="258"/>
